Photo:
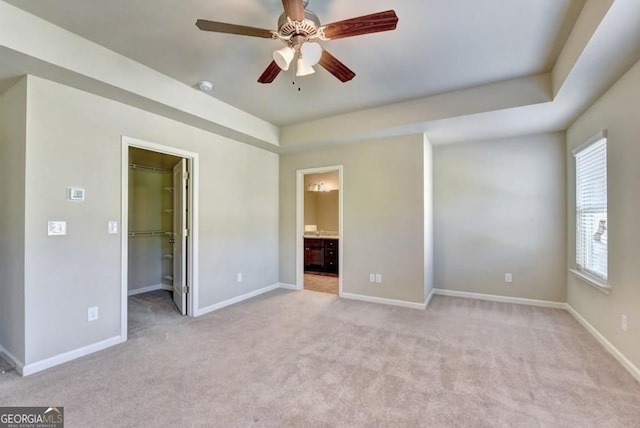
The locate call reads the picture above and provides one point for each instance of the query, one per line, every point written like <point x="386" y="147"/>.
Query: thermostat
<point x="76" y="194"/>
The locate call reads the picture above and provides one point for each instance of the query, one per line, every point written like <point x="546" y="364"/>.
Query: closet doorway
<point x="319" y="232"/>
<point x="158" y="233"/>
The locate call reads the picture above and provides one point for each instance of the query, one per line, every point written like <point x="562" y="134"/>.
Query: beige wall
<point x="383" y="215"/>
<point x="13" y="113"/>
<point x="617" y="112"/>
<point x="74" y="138"/>
<point x="500" y="207"/>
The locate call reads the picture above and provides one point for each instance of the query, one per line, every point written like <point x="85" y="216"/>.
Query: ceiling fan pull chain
<point x="293" y="72"/>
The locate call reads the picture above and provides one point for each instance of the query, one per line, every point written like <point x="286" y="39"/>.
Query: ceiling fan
<point x="300" y="30"/>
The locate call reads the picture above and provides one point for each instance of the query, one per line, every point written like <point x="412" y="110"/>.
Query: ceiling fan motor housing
<point x="308" y="28"/>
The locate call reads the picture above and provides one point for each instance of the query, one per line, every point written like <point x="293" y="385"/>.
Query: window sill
<point x="592" y="281"/>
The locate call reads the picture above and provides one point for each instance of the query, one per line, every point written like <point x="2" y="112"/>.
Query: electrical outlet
<point x="112" y="228"/>
<point x="379" y="278"/>
<point x="623" y="322"/>
<point x="240" y="277"/>
<point x="372" y="277"/>
<point x="92" y="313"/>
<point x="508" y="277"/>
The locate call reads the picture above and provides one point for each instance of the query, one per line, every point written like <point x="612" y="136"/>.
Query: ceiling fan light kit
<point x="303" y="69"/>
<point x="283" y="57"/>
<point x="300" y="30"/>
<point x="311" y="52"/>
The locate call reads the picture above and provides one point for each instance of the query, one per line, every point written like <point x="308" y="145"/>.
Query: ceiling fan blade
<point x="270" y="73"/>
<point x="374" y="23"/>
<point x="335" y="67"/>
<point x="221" y="27"/>
<point x="294" y="9"/>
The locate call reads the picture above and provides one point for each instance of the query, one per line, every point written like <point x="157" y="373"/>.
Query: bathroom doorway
<point x="320" y="229"/>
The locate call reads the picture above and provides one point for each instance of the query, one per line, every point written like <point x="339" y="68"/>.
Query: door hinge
<point x="185" y="289"/>
<point x="186" y="232"/>
<point x="186" y="175"/>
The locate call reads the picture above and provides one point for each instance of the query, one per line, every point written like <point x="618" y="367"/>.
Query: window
<point x="591" y="207"/>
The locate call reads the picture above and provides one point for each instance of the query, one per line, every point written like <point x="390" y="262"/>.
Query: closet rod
<point x="149" y="168"/>
<point x="150" y="233"/>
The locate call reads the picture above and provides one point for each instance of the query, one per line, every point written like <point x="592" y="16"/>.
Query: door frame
<point x="192" y="220"/>
<point x="300" y="222"/>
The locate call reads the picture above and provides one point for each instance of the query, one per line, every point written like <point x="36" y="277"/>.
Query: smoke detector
<point x="205" y="85"/>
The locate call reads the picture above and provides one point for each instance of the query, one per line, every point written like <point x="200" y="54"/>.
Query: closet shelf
<point x="150" y="233"/>
<point x="169" y="189"/>
<point x="168" y="256"/>
<point x="169" y="211"/>
<point x="149" y="168"/>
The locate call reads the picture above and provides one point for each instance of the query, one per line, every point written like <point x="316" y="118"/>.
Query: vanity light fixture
<point x="318" y="187"/>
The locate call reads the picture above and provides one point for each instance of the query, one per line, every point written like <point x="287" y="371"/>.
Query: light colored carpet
<point x="304" y="359"/>
<point x="321" y="283"/>
<point x="153" y="309"/>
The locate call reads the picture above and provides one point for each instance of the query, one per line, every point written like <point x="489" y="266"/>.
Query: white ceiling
<point x="439" y="46"/>
<point x="455" y="70"/>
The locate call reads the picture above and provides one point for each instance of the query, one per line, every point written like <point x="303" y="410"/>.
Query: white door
<point x="180" y="236"/>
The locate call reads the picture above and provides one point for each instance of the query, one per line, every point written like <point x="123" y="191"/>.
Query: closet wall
<point x="150" y="220"/>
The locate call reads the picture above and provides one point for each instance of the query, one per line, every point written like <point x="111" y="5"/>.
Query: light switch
<point x="113" y="227"/>
<point x="56" y="228"/>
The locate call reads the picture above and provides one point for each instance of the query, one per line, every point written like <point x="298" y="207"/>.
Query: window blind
<point x="591" y="208"/>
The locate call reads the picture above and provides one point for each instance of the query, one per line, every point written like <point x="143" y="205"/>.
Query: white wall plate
<point x="75" y="194"/>
<point x="56" y="228"/>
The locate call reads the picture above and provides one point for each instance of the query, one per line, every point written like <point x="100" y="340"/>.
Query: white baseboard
<point x="382" y="300"/>
<point x="235" y="300"/>
<point x="150" y="288"/>
<point x="504" y="299"/>
<point x="429" y="297"/>
<point x="372" y="299"/>
<point x="631" y="368"/>
<point x="68" y="356"/>
<point x="19" y="365"/>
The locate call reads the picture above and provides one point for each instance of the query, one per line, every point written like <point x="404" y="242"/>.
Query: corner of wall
<point x="428" y="218"/>
<point x="13" y="131"/>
